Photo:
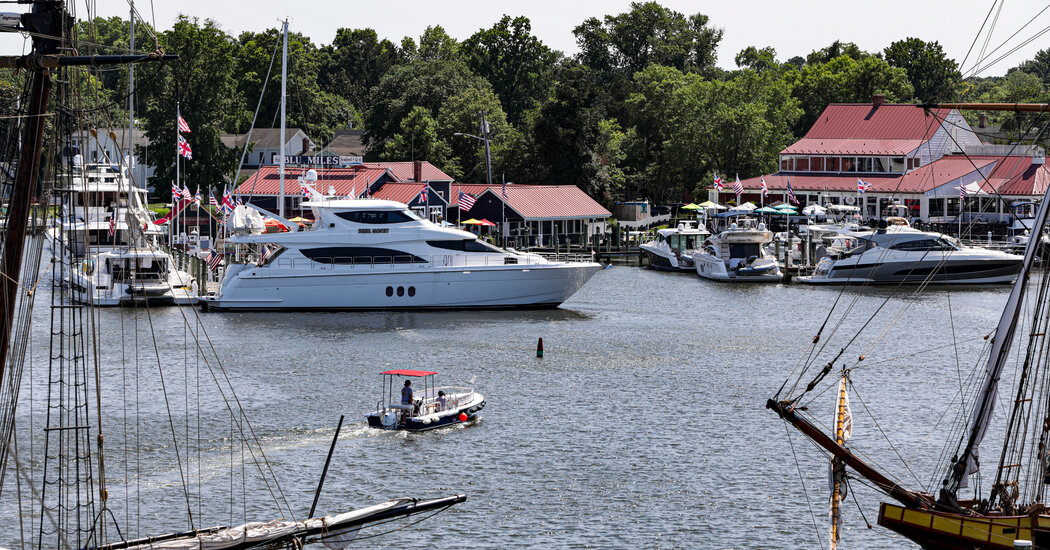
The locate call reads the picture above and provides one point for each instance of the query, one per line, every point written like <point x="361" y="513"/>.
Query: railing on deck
<point x="425" y="262"/>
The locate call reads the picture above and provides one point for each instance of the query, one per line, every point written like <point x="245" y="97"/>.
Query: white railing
<point x="427" y="262"/>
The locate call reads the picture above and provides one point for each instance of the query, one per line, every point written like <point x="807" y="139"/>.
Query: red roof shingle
<point x="266" y="181"/>
<point x="406" y="170"/>
<point x="862" y="128"/>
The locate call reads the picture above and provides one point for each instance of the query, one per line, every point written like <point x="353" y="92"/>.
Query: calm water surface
<point x="644" y="425"/>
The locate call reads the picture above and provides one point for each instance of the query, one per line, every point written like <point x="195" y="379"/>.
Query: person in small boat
<point x="406" y="393"/>
<point x="442" y="402"/>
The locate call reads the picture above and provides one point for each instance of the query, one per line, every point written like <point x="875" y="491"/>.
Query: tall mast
<point x="284" y="95"/>
<point x="131" y="98"/>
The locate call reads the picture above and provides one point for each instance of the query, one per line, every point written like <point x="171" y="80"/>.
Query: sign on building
<point x="317" y="160"/>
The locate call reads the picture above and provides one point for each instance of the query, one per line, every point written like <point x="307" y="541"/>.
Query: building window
<point x="913" y="163"/>
<point x="864" y="164"/>
<point x="833" y="164"/>
<point x="880" y="164"/>
<point x="849" y="164"/>
<point x="785" y="163"/>
<point x="936" y="207"/>
<point x="896" y="165"/>
<point x="801" y="164"/>
<point x="816" y="164"/>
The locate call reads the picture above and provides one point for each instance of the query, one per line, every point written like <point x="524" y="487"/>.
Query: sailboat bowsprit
<point x="73" y="507"/>
<point x="1014" y="509"/>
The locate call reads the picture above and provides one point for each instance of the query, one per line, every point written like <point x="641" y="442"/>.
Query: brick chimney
<point x="877" y="100"/>
<point x="306" y="146"/>
<point x="417" y="170"/>
<point x="981" y="121"/>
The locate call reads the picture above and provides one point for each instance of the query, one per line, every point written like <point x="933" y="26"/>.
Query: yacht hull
<point x="942" y="530"/>
<point x="710" y="267"/>
<point x="933" y="271"/>
<point x="532" y="286"/>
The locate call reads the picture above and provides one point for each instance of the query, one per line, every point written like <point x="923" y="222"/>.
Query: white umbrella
<point x="747" y="206"/>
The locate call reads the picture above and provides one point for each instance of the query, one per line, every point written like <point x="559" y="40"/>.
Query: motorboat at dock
<point x="673" y="248"/>
<point x="901" y="254"/>
<point x="739" y="254"/>
<point x="129" y="275"/>
<point x="426" y="408"/>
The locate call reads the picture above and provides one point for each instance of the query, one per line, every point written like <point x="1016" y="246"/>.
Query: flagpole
<point x="173" y="227"/>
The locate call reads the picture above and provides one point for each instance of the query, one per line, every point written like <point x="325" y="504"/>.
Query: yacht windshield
<point x="375" y="217"/>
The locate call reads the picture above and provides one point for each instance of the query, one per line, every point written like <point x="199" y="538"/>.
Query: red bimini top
<point x="407" y="372"/>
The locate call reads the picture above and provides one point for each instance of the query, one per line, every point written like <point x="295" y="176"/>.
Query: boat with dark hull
<point x="673" y="248"/>
<point x="429" y="408"/>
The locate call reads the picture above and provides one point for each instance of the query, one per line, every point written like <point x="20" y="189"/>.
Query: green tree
<point x="648" y="33"/>
<point x="605" y="172"/>
<point x="418" y="140"/>
<point x="759" y="60"/>
<point x="354" y="63"/>
<point x="437" y="45"/>
<point x="1038" y="66"/>
<point x="427" y="84"/>
<point x="202" y="81"/>
<point x="931" y="73"/>
<point x="519" y="66"/>
<point x="461" y="113"/>
<point x="846" y="80"/>
<point x="835" y="50"/>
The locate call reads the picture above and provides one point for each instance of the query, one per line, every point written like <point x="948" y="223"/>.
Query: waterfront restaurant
<point x="908" y="156"/>
<point x="263" y="187"/>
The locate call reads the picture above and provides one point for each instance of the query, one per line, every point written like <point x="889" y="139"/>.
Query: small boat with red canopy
<point x="416" y="407"/>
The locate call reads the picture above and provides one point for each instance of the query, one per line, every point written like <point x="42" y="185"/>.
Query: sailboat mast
<point x="837" y="467"/>
<point x="131" y="98"/>
<point x="284" y="96"/>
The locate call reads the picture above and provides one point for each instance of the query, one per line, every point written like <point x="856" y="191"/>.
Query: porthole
<point x="411" y="291"/>
<point x="400" y="291"/>
<point x="389" y="291"/>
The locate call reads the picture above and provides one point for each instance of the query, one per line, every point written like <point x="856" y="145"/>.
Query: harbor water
<point x="643" y="425"/>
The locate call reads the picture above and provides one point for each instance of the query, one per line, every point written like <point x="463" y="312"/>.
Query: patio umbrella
<point x="692" y="206"/>
<point x="471" y="221"/>
<point x="748" y="206"/>
<point x="486" y="223"/>
<point x="766" y="210"/>
<point x="709" y="204"/>
<point x="784" y="206"/>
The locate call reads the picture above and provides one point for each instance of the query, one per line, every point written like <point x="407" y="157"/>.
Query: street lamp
<point x="484" y="137"/>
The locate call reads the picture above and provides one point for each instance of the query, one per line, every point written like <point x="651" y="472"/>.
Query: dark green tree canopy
<point x="649" y="33"/>
<point x="931" y="73"/>
<point x="355" y="61"/>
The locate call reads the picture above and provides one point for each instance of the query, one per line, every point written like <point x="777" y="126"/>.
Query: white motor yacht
<point x="124" y="276"/>
<point x="740" y="253"/>
<point x="99" y="196"/>
<point x="377" y="254"/>
<point x="673" y="248"/>
<point x="901" y="254"/>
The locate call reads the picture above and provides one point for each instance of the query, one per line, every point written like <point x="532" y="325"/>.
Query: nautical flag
<point x="263" y="254"/>
<point x="197" y="197"/>
<point x="211" y="199"/>
<point x="862" y="186"/>
<point x="214" y="259"/>
<point x="306" y="193"/>
<point x="791" y="193"/>
<point x="423" y="195"/>
<point x="227" y="202"/>
<point x="504" y="191"/>
<point x="183" y="127"/>
<point x="737" y="186"/>
<point x="350" y="196"/>
<point x="184" y="148"/>
<point x="718" y="183"/>
<point x="186" y="193"/>
<point x="175" y="192"/>
<point x="239" y="203"/>
<point x="466" y="201"/>
<point x="962" y="191"/>
<point x="765" y="190"/>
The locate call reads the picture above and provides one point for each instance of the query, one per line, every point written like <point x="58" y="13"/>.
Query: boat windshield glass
<point x="374" y="217"/>
<point x="925" y="244"/>
<point x="745" y="250"/>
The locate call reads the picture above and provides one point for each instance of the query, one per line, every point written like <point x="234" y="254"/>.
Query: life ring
<point x="851" y="199"/>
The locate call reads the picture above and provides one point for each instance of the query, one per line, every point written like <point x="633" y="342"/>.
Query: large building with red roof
<point x="904" y="155"/>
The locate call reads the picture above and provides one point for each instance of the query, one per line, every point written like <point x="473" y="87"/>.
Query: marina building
<point x="905" y="155"/>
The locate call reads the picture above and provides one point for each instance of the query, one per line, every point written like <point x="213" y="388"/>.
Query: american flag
<point x="183" y="127"/>
<point x="214" y="259"/>
<point x="211" y="199"/>
<point x="113" y="224"/>
<point x="737" y="186"/>
<point x="718" y="183"/>
<point x="765" y="190"/>
<point x="505" y="189"/>
<point x="186" y="193"/>
<point x="184" y="148"/>
<point x="263" y="254"/>
<point x="862" y="186"/>
<point x="466" y="201"/>
<point x="791" y="193"/>
<point x="962" y="191"/>
<point x="239" y="203"/>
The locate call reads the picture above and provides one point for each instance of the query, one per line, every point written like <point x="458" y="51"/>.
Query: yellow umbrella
<point x="691" y="206"/>
<point x="471" y="221"/>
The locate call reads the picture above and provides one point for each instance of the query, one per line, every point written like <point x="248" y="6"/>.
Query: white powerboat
<point x="739" y="253"/>
<point x="124" y="276"/>
<point x="95" y="218"/>
<point x="376" y="254"/>
<point x="673" y="248"/>
<point x="430" y="406"/>
<point x="901" y="254"/>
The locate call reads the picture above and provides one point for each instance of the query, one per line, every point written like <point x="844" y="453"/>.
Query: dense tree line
<point x="641" y="111"/>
